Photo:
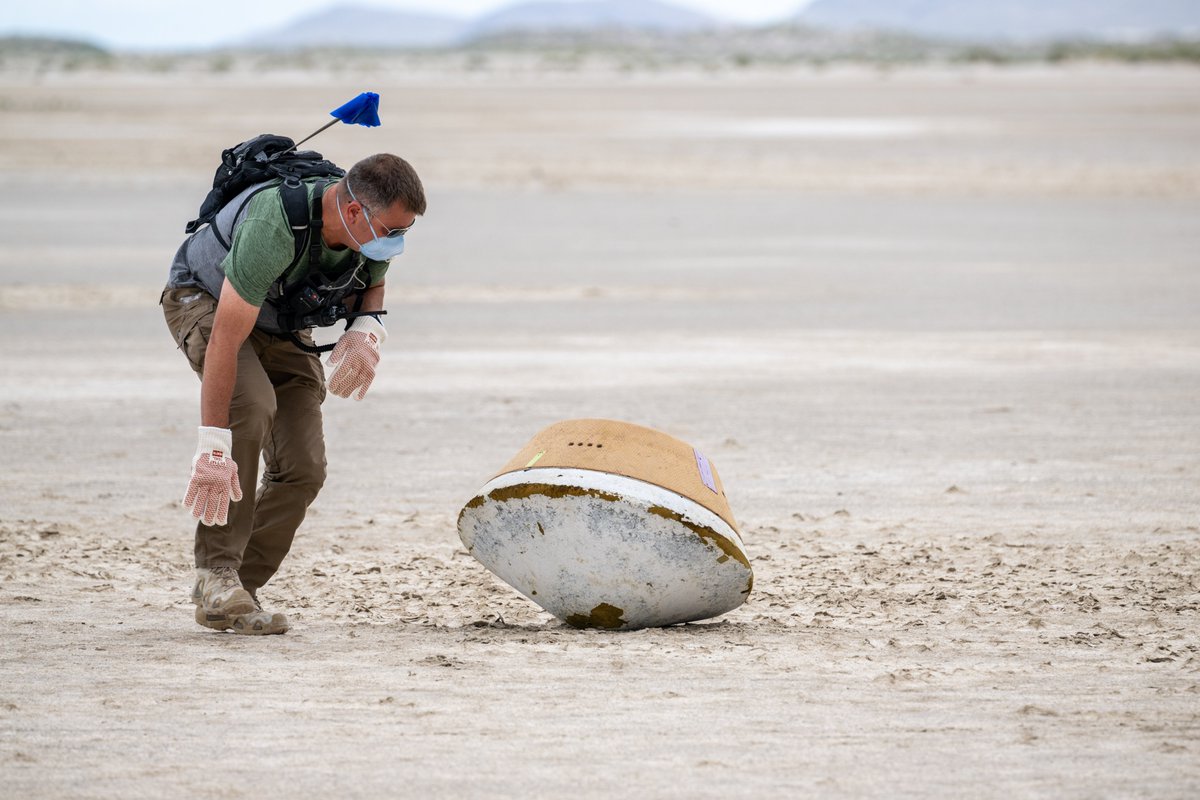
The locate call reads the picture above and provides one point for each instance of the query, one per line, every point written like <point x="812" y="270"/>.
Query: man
<point x="236" y="303"/>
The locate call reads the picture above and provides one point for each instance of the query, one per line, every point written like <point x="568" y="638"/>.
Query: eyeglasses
<point x="390" y="233"/>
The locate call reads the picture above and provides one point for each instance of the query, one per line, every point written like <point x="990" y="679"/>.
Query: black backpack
<point x="263" y="158"/>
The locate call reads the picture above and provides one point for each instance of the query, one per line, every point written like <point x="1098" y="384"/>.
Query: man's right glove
<point x="214" y="477"/>
<point x="354" y="358"/>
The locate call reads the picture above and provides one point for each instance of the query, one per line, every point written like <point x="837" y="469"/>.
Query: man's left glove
<point x="354" y="358"/>
<point x="214" y="477"/>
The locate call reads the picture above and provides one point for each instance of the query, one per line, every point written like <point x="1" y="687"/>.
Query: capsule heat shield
<point x="611" y="525"/>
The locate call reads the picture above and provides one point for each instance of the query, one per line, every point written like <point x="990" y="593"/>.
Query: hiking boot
<point x="218" y="595"/>
<point x="256" y="623"/>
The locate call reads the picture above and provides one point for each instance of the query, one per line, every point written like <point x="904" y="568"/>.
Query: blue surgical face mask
<point x="377" y="249"/>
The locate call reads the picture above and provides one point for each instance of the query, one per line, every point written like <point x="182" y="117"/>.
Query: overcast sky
<point x="171" y="23"/>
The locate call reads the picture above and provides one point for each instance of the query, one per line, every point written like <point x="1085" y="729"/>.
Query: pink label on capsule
<point x="706" y="474"/>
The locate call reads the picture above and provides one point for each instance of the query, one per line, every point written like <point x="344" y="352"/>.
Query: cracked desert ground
<point x="938" y="328"/>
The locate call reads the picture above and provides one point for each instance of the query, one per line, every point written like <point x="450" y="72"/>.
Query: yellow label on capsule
<point x="534" y="460"/>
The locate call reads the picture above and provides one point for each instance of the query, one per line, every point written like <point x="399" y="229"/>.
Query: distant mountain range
<point x="380" y="27"/>
<point x="646" y="15"/>
<point x="361" y="26"/>
<point x="1011" y="19"/>
<point x="366" y="26"/>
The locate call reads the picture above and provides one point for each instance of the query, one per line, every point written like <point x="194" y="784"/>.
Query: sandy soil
<point x="937" y="329"/>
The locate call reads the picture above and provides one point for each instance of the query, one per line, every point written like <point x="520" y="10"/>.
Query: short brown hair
<point x="383" y="179"/>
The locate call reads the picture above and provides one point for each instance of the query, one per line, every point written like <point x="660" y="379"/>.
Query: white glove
<point x="354" y="358"/>
<point x="214" y="477"/>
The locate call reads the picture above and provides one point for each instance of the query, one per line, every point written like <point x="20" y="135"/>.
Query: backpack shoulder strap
<point x="295" y="205"/>
<point x="315" y="224"/>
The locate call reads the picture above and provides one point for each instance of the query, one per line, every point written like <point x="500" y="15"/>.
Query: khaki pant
<point x="275" y="413"/>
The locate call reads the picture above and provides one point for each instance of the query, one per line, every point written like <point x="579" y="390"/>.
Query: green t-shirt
<point x="263" y="247"/>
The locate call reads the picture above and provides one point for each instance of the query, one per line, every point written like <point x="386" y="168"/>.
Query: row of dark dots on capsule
<point x="583" y="444"/>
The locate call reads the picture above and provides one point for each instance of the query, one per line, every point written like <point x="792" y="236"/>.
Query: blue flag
<point x="362" y="110"/>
